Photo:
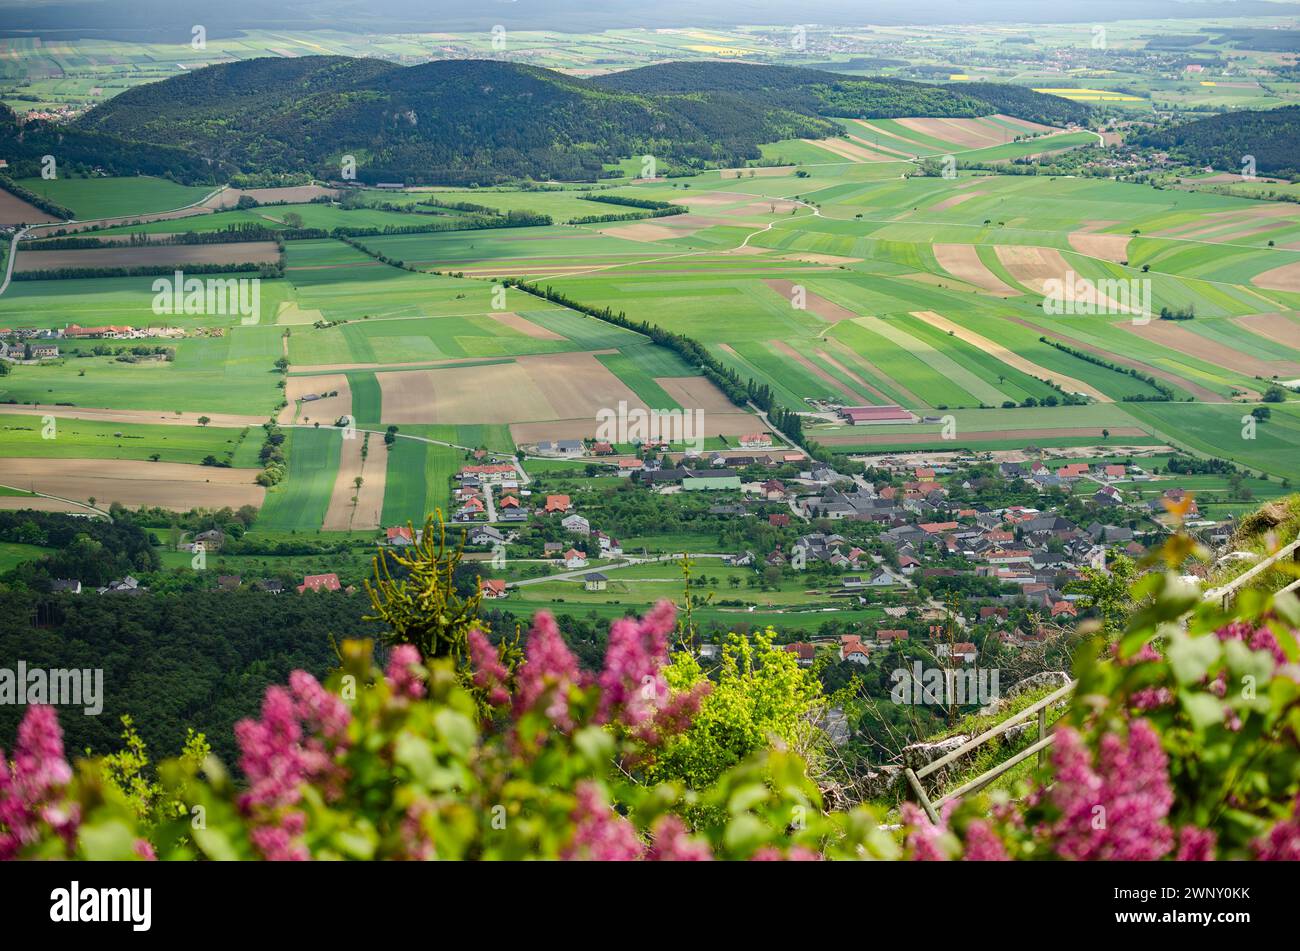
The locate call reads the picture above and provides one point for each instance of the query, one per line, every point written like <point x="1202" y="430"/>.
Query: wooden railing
<point x="1223" y="594"/>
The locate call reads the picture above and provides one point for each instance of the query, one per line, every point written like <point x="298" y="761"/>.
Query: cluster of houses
<point x="39" y="343"/>
<point x="578" y="448"/>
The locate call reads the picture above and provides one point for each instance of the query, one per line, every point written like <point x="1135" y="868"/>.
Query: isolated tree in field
<point x="357" y="481"/>
<point x="204" y="420"/>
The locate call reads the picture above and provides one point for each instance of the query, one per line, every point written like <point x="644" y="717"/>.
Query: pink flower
<point x="1196" y="845"/>
<point x="671" y="843"/>
<point x="983" y="844"/>
<point x="922" y="838"/>
<point x="490" y="674"/>
<point x="1116" y="810"/>
<point x="548" y="674"/>
<point x="796" y="853"/>
<point x="600" y="834"/>
<point x="31" y="794"/>
<point x="404" y="672"/>
<point x="278" y="759"/>
<point x="1256" y="638"/>
<point x="145" y="850"/>
<point x="631" y="686"/>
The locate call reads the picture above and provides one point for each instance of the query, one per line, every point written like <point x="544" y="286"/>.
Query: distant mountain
<point x="487" y="121"/>
<point x="1272" y="136"/>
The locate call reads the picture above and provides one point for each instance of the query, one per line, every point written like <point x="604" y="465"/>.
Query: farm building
<point x="326" y="582"/>
<point x="595" y="581"/>
<point x="871" y="415"/>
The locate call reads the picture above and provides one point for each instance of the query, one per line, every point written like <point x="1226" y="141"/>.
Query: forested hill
<point x="479" y="121"/>
<point x="23" y="146"/>
<point x="1271" y="136"/>
<point x="818" y="92"/>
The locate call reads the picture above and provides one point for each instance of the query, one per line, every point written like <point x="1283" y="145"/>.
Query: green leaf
<point x="1205" y="710"/>
<point x="1191" y="657"/>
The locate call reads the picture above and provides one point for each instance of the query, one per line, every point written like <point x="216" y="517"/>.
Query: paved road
<point x="13" y="256"/>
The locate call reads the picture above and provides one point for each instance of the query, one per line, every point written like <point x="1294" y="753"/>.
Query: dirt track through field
<point x="169" y="485"/>
<point x="1009" y="357"/>
<point x="848" y="150"/>
<point x="963" y="262"/>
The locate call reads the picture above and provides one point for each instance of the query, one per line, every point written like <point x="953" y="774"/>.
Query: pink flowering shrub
<point x="1180" y="743"/>
<point x="502" y="759"/>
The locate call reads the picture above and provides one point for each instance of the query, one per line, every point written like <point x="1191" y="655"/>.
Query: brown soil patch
<point x="1034" y="267"/>
<point x="891" y="139"/>
<point x="152" y="417"/>
<point x="342" y="515"/>
<point x="12" y="503"/>
<point x="848" y="150"/>
<point x="249" y="252"/>
<point x="15" y="211"/>
<point x="1026" y="124"/>
<point x="1284" y="278"/>
<point x="644" y="232"/>
<point x="500" y="393"/>
<point x="1010" y="358"/>
<point x="339" y="367"/>
<point x="887" y="154"/>
<point x="962" y="261"/>
<point x="764" y="171"/>
<point x="1200" y="392"/>
<point x="809" y="257"/>
<point x="1111" y="247"/>
<point x="707" y="199"/>
<point x="170" y="485"/>
<point x="954" y="200"/>
<point x="696" y="392"/>
<point x="295" y="195"/>
<point x="555" y="386"/>
<point x="827" y="310"/>
<point x="325" y="411"/>
<point x="775" y="206"/>
<point x="1167" y="334"/>
<point x="525" y="326"/>
<point x="964" y="132"/>
<point x="1280" y="328"/>
<point x="885" y="436"/>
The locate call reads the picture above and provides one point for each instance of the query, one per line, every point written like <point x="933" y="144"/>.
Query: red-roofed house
<point x="925" y="475"/>
<point x="896" y="635"/>
<point x="558" y="503"/>
<point x="492" y="588"/>
<point x="938" y="528"/>
<point x="755" y="441"/>
<point x="806" y="652"/>
<point x="778" y="521"/>
<point x="1114" y="472"/>
<point x="1064" y="609"/>
<point x="399" y="536"/>
<point x="575" y="559"/>
<point x="329" y="582"/>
